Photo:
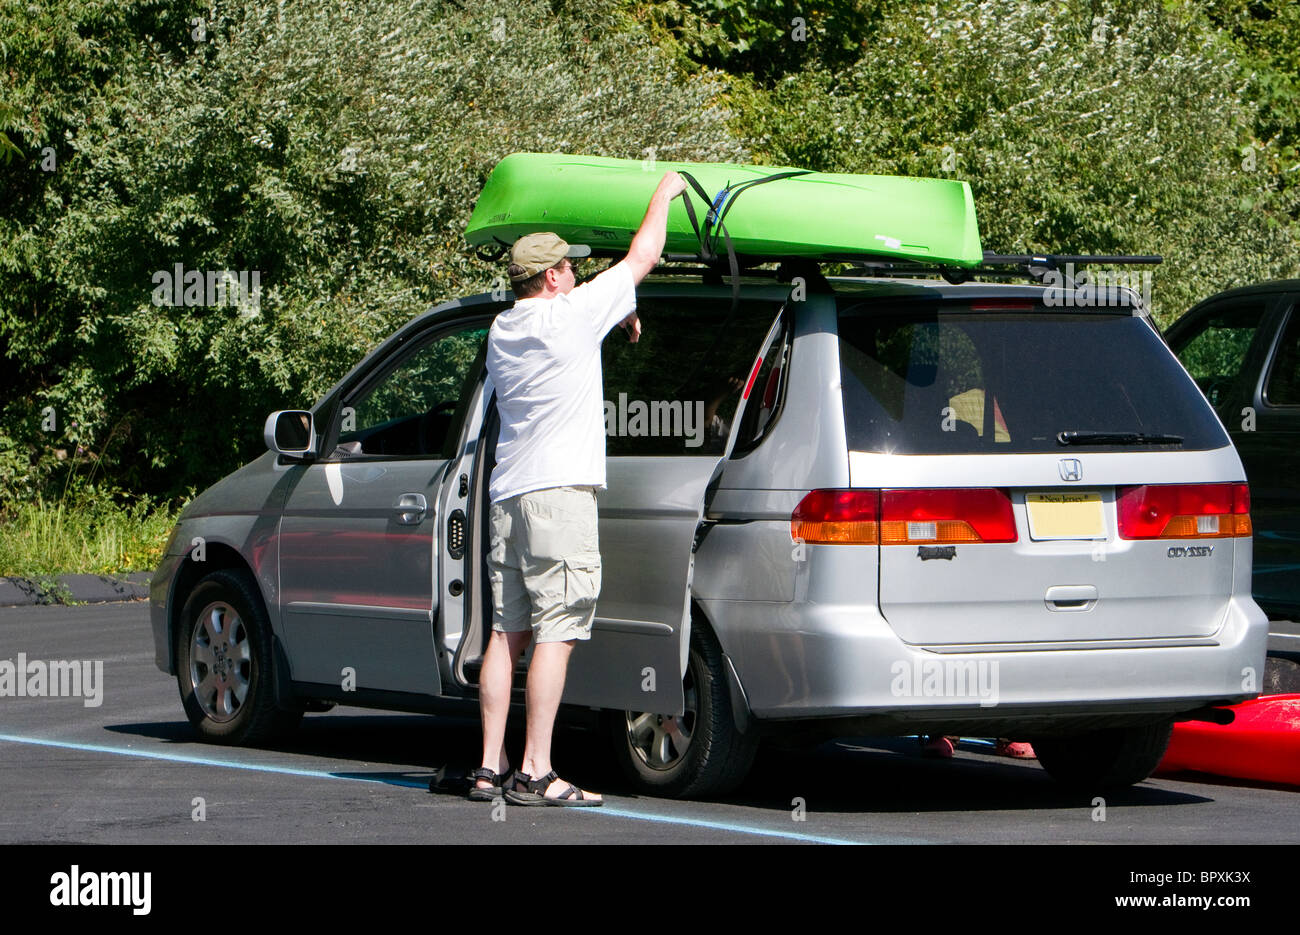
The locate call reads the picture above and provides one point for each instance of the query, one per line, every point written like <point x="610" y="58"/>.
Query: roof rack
<point x="1035" y="266"/>
<point x="1039" y="265"/>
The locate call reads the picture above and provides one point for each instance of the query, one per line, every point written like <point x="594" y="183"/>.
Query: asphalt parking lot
<point x="129" y="770"/>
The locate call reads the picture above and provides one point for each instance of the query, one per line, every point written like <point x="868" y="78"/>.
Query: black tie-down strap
<point x="719" y="205"/>
<point x="707" y="235"/>
<point x="492" y="252"/>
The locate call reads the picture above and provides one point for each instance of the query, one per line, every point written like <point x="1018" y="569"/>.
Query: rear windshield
<point x="946" y="379"/>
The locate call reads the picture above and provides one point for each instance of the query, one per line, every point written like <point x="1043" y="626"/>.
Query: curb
<point x="82" y="589"/>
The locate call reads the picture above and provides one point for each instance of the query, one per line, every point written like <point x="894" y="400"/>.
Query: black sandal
<point x="496" y="779"/>
<point x="533" y="793"/>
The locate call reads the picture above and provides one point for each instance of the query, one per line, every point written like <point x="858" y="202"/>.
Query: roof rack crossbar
<point x="1056" y="260"/>
<point x="1034" y="266"/>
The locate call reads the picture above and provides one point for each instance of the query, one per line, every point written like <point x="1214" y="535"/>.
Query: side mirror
<point x="292" y="433"/>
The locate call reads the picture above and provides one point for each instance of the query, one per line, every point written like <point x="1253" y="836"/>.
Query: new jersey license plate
<point x="1066" y="515"/>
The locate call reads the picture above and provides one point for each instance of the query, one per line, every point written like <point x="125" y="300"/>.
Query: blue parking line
<point x="203" y="760"/>
<point x="606" y="810"/>
<point x="718" y="825"/>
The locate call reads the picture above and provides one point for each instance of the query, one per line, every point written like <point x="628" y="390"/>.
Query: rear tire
<point x="699" y="753"/>
<point x="1105" y="759"/>
<point x="225" y="666"/>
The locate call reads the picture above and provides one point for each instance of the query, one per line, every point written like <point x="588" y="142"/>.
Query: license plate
<point x="1066" y="515"/>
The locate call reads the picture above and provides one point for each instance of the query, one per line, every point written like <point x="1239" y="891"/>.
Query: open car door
<point x="670" y="401"/>
<point x="636" y="656"/>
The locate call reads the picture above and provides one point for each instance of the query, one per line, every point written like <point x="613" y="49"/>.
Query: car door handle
<point x="1071" y="597"/>
<point x="410" y="509"/>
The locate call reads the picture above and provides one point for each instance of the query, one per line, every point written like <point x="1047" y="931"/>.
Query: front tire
<point x="1105" y="759"/>
<point x="224" y="663"/>
<point x="698" y="753"/>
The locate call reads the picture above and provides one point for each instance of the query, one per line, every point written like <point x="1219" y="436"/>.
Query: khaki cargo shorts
<point x="544" y="563"/>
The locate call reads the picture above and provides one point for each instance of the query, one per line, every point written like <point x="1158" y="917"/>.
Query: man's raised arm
<point x="648" y="244"/>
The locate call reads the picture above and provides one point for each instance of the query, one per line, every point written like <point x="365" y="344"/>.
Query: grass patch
<point x="89" y="530"/>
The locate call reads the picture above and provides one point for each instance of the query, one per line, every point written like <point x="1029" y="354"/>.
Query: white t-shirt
<point x="544" y="361"/>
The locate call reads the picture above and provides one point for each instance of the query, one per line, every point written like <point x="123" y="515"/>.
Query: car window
<point x="1284" y="376"/>
<point x="410" y="410"/>
<point x="947" y="379"/>
<point x="1215" y="349"/>
<point x="767" y="393"/>
<point x="676" y="390"/>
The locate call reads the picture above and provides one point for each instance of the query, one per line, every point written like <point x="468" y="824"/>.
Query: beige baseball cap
<point x="536" y="252"/>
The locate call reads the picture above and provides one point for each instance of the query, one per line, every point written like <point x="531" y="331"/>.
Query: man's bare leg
<point x="546" y="674"/>
<point x="495" y="680"/>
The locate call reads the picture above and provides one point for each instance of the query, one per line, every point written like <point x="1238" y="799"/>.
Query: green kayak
<point x="599" y="201"/>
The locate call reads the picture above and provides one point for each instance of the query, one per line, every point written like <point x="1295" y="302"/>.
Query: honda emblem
<point x="1071" y="469"/>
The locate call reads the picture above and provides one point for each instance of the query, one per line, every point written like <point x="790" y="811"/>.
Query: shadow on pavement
<point x="850" y="775"/>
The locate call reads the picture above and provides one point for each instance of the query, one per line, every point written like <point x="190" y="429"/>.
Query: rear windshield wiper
<point x="1116" y="438"/>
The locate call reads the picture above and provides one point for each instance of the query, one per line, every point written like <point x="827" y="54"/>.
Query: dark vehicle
<point x="1243" y="349"/>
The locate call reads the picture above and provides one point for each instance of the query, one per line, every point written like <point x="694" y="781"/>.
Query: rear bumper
<point x="799" y="660"/>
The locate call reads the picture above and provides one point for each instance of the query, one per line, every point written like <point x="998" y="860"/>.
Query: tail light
<point x="837" y="517"/>
<point x="1184" y="511"/>
<point x="904" y="517"/>
<point x="947" y="515"/>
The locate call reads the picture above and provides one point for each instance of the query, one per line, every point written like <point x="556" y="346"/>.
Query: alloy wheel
<point x="221" y="661"/>
<point x="661" y="741"/>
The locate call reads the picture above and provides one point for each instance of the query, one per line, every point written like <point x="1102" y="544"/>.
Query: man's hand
<point x="632" y="325"/>
<point x="672" y="184"/>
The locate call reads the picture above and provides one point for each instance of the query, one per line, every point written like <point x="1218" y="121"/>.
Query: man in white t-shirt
<point x="544" y="362"/>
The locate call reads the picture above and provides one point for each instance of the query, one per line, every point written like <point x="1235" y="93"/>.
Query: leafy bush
<point x="1078" y="134"/>
<point x="335" y="149"/>
<point x="764" y="39"/>
<point x="1266" y="36"/>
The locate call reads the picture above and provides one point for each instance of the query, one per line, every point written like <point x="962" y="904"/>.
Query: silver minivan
<point x="855" y="507"/>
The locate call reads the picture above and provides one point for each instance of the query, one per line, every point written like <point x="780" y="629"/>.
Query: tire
<point x="1105" y="759"/>
<point x="700" y="753"/>
<point x="224" y="664"/>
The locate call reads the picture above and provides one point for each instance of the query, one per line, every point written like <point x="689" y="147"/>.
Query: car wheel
<point x="697" y="753"/>
<point x="1105" y="759"/>
<point x="224" y="663"/>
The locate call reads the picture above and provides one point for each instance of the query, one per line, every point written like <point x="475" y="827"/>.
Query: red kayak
<point x="1262" y="744"/>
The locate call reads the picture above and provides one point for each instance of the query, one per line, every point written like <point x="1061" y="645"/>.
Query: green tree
<point x="1265" y="35"/>
<point x="335" y="149"/>
<point x="56" y="59"/>
<point x="764" y="39"/>
<point x="1079" y="133"/>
